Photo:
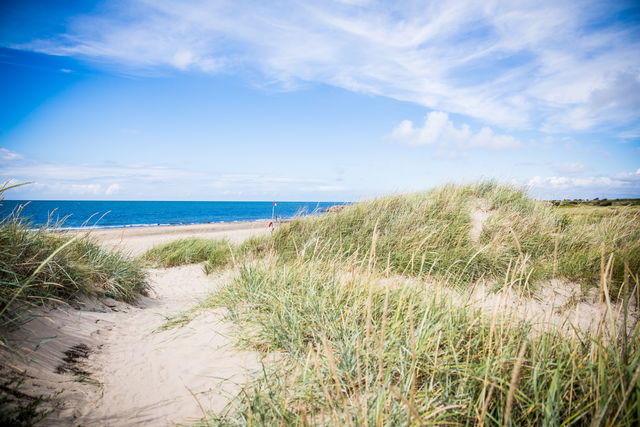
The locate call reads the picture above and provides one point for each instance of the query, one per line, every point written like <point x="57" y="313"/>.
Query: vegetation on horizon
<point x="595" y="202"/>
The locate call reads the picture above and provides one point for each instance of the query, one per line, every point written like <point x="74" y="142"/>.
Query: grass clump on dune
<point x="357" y="353"/>
<point x="430" y="234"/>
<point x="38" y="266"/>
<point x="214" y="253"/>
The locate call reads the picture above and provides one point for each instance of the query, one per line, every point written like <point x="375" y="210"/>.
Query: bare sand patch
<point x="153" y="377"/>
<point x="480" y="212"/>
<point x="137" y="240"/>
<point x="110" y="363"/>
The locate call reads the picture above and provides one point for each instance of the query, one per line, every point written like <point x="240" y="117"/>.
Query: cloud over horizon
<point x="141" y="182"/>
<point x="145" y="181"/>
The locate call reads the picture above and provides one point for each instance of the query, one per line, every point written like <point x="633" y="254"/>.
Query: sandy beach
<point x="136" y="240"/>
<point x="114" y="364"/>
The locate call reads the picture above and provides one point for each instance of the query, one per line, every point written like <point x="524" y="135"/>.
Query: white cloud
<point x="143" y="182"/>
<point x="112" y="189"/>
<point x="8" y="155"/>
<point x="439" y="130"/>
<point x="629" y="176"/>
<point x="564" y="182"/>
<point x="513" y="64"/>
<point x="83" y="189"/>
<point x="629" y="135"/>
<point x="69" y="189"/>
<point x="182" y="59"/>
<point x="615" y="98"/>
<point x="486" y="138"/>
<point x="49" y="172"/>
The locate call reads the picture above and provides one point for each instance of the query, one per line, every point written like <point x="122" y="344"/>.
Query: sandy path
<point x="153" y="377"/>
<point x="135" y="373"/>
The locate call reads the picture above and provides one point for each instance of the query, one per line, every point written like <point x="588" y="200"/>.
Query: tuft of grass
<point x="88" y="379"/>
<point x="106" y="272"/>
<point x="18" y="408"/>
<point x="255" y="247"/>
<point x="178" y="320"/>
<point x="354" y="353"/>
<point x="38" y="266"/>
<point x="215" y="253"/>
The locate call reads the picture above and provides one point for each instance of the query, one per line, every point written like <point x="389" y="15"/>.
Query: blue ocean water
<point x="106" y="214"/>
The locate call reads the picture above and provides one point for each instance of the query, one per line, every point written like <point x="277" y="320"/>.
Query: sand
<point x="480" y="213"/>
<point x="136" y="240"/>
<point x="111" y="364"/>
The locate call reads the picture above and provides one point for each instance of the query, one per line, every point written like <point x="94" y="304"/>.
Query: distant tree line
<point x="596" y="202"/>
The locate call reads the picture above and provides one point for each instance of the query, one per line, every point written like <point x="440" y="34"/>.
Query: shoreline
<point x="166" y="225"/>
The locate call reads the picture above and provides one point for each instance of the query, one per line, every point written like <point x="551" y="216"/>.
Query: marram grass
<point x="346" y="350"/>
<point x="216" y="254"/>
<point x="429" y="234"/>
<point x="351" y="353"/>
<point x="38" y="266"/>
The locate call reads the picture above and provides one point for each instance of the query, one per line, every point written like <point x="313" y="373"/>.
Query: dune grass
<point x="38" y="266"/>
<point x="595" y="213"/>
<point x="428" y="234"/>
<point x="216" y="254"/>
<point x="352" y="353"/>
<point x="353" y="350"/>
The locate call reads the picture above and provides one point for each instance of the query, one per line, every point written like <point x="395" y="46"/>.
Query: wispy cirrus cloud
<point x="554" y="66"/>
<point x="8" y="155"/>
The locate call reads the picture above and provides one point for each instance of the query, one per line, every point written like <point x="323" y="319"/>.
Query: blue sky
<point x="308" y="100"/>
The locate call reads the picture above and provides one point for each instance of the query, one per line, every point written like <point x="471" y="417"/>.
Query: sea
<point x="69" y="214"/>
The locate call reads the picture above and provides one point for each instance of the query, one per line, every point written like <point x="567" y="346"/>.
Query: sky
<point x="317" y="100"/>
